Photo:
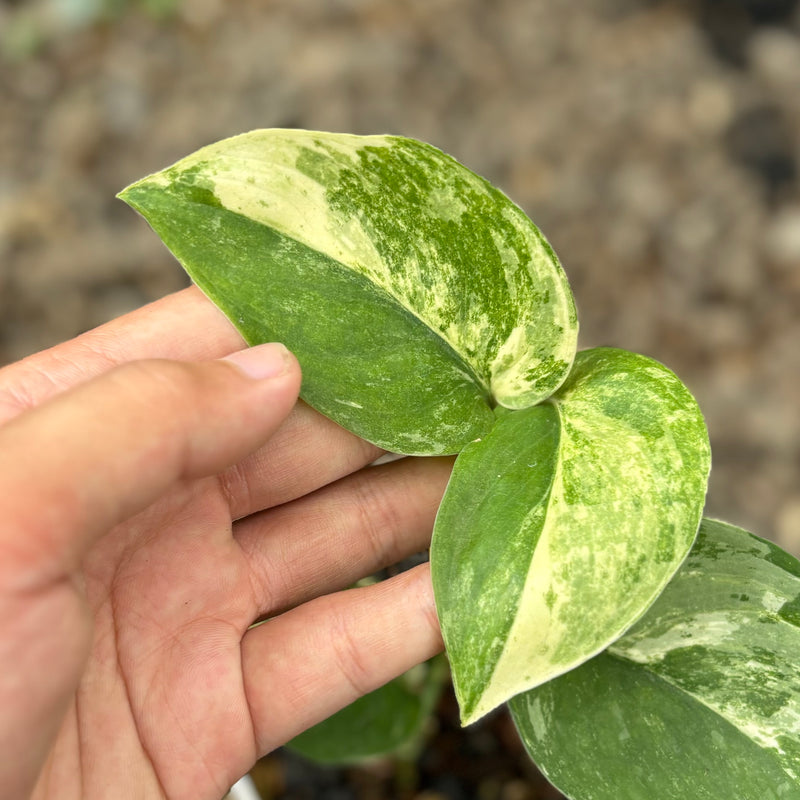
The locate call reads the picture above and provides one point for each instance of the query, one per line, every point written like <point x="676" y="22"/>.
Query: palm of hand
<point x="163" y="698"/>
<point x="178" y="694"/>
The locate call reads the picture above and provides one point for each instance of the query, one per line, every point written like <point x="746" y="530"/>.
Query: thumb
<point x="77" y="465"/>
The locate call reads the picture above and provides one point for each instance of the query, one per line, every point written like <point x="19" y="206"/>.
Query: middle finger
<point x="307" y="452"/>
<point x="328" y="540"/>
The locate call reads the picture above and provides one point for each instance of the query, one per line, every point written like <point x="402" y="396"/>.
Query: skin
<point x="155" y="502"/>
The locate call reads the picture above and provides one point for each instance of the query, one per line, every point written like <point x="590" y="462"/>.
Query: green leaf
<point x="563" y="524"/>
<point x="415" y="295"/>
<point x="377" y="724"/>
<point x="700" y="699"/>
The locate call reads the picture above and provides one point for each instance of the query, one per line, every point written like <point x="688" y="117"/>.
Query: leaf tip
<point x="473" y="709"/>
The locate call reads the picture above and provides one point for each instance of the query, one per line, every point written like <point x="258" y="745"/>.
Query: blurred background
<point x="656" y="143"/>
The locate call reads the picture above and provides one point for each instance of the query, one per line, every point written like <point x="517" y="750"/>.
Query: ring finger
<point x="327" y="540"/>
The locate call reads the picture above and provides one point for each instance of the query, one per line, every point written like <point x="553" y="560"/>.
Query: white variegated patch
<point x="701" y="698"/>
<point x="707" y="629"/>
<point x="518" y="342"/>
<point x="622" y="510"/>
<point x="740" y="660"/>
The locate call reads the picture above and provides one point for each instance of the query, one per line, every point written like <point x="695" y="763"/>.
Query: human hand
<point x="151" y="512"/>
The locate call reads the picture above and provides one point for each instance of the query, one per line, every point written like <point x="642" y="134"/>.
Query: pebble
<point x="787" y="524"/>
<point x="775" y="56"/>
<point x="782" y="237"/>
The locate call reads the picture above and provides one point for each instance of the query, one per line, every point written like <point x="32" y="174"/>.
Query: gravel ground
<point x="655" y="143"/>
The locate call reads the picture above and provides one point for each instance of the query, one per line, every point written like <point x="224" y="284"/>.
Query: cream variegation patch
<point x="261" y="175"/>
<point x="607" y="545"/>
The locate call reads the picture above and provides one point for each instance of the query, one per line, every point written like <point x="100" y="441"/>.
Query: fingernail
<point x="262" y="361"/>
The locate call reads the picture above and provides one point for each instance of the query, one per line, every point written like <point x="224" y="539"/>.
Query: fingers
<point x="307" y="452"/>
<point x="330" y="651"/>
<point x="94" y="456"/>
<point x="184" y="326"/>
<point x="346" y="531"/>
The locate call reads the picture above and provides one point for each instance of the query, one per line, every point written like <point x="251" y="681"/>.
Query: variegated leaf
<point x="561" y="526"/>
<point x="700" y="699"/>
<point x="415" y="295"/>
<point x="389" y="719"/>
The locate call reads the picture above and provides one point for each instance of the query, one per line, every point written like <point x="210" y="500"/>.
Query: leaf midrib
<point x="555" y="479"/>
<point x="457" y="356"/>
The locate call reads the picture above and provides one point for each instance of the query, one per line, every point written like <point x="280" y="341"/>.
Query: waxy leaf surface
<point x="379" y="723"/>
<point x="415" y="295"/>
<point x="560" y="527"/>
<point x="700" y="699"/>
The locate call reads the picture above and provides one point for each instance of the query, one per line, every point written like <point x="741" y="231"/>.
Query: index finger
<point x="184" y="326"/>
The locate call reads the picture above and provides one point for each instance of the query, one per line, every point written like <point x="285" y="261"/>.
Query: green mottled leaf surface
<point x="561" y="526"/>
<point x="700" y="699"/>
<point x="415" y="295"/>
<point x="377" y="724"/>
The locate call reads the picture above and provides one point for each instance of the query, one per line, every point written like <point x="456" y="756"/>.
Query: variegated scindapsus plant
<point x="644" y="652"/>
